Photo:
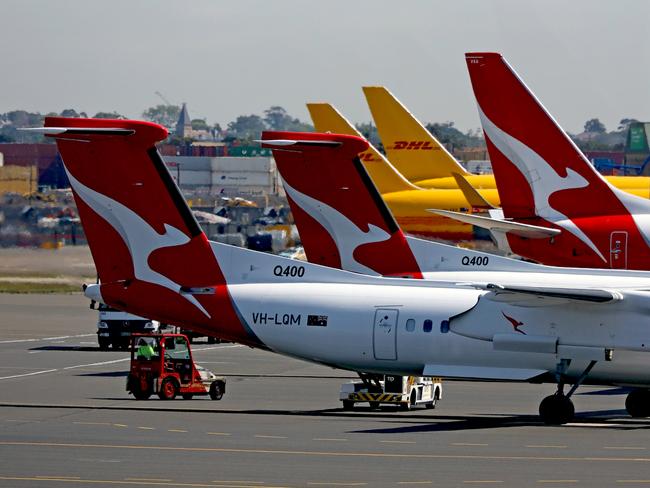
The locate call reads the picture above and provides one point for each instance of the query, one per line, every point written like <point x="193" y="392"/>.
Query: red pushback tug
<point x="162" y="364"/>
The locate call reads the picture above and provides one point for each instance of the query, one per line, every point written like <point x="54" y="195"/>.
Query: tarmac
<point x="67" y="421"/>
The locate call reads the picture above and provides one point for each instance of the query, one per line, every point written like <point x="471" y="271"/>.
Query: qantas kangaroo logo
<point x="515" y="323"/>
<point x="140" y="238"/>
<point x="541" y="177"/>
<point x="345" y="233"/>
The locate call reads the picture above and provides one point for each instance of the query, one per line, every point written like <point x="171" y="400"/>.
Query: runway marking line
<point x="625" y="448"/>
<point x="59" y="477"/>
<point x="239" y="481"/>
<point x="132" y="483"/>
<point x="398" y="442"/>
<point x="147" y="428"/>
<point x="271" y="437"/>
<point x="415" y="482"/>
<point x="633" y="481"/>
<point x="17" y="341"/>
<point x="558" y="481"/>
<point x="329" y="439"/>
<point x="102" y="363"/>
<point x="469" y="444"/>
<point x="147" y="479"/>
<point x="327" y="453"/>
<point x="326" y="483"/>
<point x="121" y="426"/>
<point x="218" y="433"/>
<point x="177" y="430"/>
<point x="483" y="482"/>
<point x="541" y="446"/>
<point x="92" y="423"/>
<point x="27" y="374"/>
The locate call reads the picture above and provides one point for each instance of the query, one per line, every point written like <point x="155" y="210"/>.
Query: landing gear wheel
<point x="348" y="404"/>
<point x="556" y="410"/>
<point x="374" y="405"/>
<point x="216" y="390"/>
<point x="103" y="344"/>
<point x="187" y="396"/>
<point x="168" y="389"/>
<point x="637" y="403"/>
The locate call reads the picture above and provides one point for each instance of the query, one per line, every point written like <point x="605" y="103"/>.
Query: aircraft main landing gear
<point x="637" y="403"/>
<point x="558" y="409"/>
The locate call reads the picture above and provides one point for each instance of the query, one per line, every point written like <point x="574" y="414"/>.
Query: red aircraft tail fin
<point x="342" y="219"/>
<point x="144" y="239"/>
<point x="539" y="170"/>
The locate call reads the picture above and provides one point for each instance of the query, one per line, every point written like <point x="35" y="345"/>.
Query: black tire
<point x="135" y="387"/>
<point x="213" y="340"/>
<point x="556" y="410"/>
<point x="411" y="402"/>
<point x="217" y="389"/>
<point x="374" y="405"/>
<point x="187" y="396"/>
<point x="168" y="389"/>
<point x="141" y="395"/>
<point x="103" y="343"/>
<point x="432" y="404"/>
<point x="348" y="404"/>
<point x="637" y="403"/>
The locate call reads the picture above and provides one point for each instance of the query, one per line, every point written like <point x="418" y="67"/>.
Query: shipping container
<point x="188" y="163"/>
<point x="225" y="164"/>
<point x="235" y="179"/>
<point x="191" y="178"/>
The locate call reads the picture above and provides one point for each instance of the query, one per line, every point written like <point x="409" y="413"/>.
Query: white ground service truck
<point x="115" y="327"/>
<point x="403" y="391"/>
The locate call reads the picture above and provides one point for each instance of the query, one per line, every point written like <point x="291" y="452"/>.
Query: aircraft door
<point x="385" y="333"/>
<point x="618" y="250"/>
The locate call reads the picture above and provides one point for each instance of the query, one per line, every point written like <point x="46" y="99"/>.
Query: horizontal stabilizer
<point x="279" y="143"/>
<point x="579" y="294"/>
<point x="98" y="131"/>
<point x="481" y="373"/>
<point x="474" y="198"/>
<point x="516" y="228"/>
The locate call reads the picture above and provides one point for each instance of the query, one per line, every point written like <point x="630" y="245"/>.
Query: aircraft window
<point x="427" y="326"/>
<point x="444" y="326"/>
<point x="410" y="325"/>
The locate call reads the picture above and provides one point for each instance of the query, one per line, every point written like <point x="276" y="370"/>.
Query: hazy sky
<point x="583" y="58"/>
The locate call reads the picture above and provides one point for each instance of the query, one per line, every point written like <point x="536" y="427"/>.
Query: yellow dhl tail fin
<point x="383" y="174"/>
<point x="410" y="147"/>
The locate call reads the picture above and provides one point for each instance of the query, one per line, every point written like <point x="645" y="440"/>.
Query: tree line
<point x="247" y="128"/>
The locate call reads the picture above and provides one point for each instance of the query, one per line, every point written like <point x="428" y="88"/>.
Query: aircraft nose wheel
<point x="637" y="403"/>
<point x="556" y="410"/>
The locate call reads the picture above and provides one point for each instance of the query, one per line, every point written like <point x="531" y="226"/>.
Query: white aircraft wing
<point x="592" y="295"/>
<point x="491" y="224"/>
